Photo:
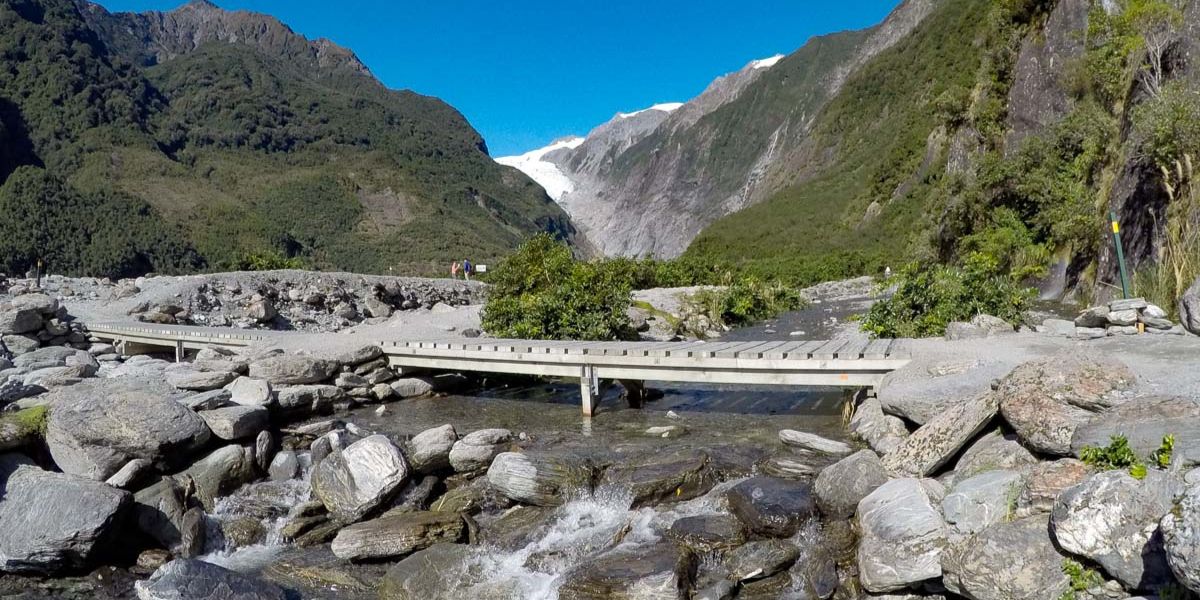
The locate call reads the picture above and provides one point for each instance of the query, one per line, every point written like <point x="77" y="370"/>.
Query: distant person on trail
<point x="467" y="268"/>
<point x="454" y="270"/>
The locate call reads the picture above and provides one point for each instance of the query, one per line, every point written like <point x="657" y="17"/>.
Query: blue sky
<point x="527" y="72"/>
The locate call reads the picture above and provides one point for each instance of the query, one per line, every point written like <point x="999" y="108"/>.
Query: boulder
<point x="707" y="534"/>
<point x="397" y="534"/>
<point x="348" y="381"/>
<point x="190" y="579"/>
<point x="1112" y="519"/>
<point x="841" y="486"/>
<point x="236" y="422"/>
<point x="1189" y="308"/>
<point x="541" y="478"/>
<point x="15" y="321"/>
<point x="199" y="381"/>
<point x="1123" y="318"/>
<point x="261" y="310"/>
<point x="15" y="388"/>
<point x="247" y="391"/>
<point x="656" y="571"/>
<point x="382" y="392"/>
<point x="1006" y="560"/>
<point x="772" y="507"/>
<point x="219" y="473"/>
<point x="937" y="441"/>
<point x="882" y="431"/>
<point x="1046" y="399"/>
<point x="438" y="572"/>
<point x="1153" y="311"/>
<point x="1059" y="327"/>
<point x="412" y="387"/>
<point x="667" y="477"/>
<point x="292" y="369"/>
<point x="979" y="501"/>
<point x="96" y="431"/>
<point x="1181" y="539"/>
<point x="1094" y="317"/>
<point x="814" y="443"/>
<point x="903" y="536"/>
<point x="44" y="358"/>
<point x="993" y="451"/>
<point x="757" y="560"/>
<point x="353" y="482"/>
<point x="53" y="521"/>
<point x="1046" y="480"/>
<point x="264" y="450"/>
<point x="165" y="513"/>
<point x="129" y="474"/>
<point x="42" y="303"/>
<point x="1144" y="422"/>
<point x="207" y="400"/>
<point x="285" y="466"/>
<point x="21" y="428"/>
<point x="361" y="355"/>
<point x="476" y="450"/>
<point x="316" y="398"/>
<point x="429" y="450"/>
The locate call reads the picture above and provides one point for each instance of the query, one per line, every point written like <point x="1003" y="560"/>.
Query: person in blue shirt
<point x="467" y="269"/>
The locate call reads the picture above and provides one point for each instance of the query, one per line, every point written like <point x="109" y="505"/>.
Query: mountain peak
<point x="765" y="63"/>
<point x="199" y="5"/>
<point x="661" y="107"/>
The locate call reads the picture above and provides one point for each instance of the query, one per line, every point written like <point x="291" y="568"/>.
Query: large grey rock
<point x="412" y="387"/>
<point x="42" y="303"/>
<point x="15" y="321"/>
<point x="129" y="474"/>
<point x="1144" y="422"/>
<point x="476" y="450"/>
<point x="772" y="507"/>
<point x="761" y="559"/>
<point x="991" y="452"/>
<point x="199" y="381"/>
<point x="883" y="432"/>
<point x="937" y="441"/>
<point x="207" y="400"/>
<point x="1189" y="308"/>
<point x="167" y="514"/>
<point x="219" y="473"/>
<point x="247" y="391"/>
<point x="15" y="388"/>
<point x="397" y="534"/>
<point x="284" y="466"/>
<point x="1112" y="519"/>
<point x="673" y="476"/>
<point x="429" y="450"/>
<point x="1005" y="561"/>
<point x="1046" y="480"/>
<point x="236" y="422"/>
<point x="1046" y="399"/>
<point x="541" y="478"/>
<point x="189" y="579"/>
<point x="53" y="521"/>
<point x="292" y="369"/>
<point x="316" y="398"/>
<point x="903" y="536"/>
<point x="841" y="486"/>
<point x="360" y="355"/>
<point x="20" y="428"/>
<point x="655" y="572"/>
<point x="44" y="358"/>
<point x="96" y="431"/>
<point x="814" y="443"/>
<point x="355" y="481"/>
<point x="708" y="534"/>
<point x="1123" y="318"/>
<point x="1094" y="317"/>
<point x="979" y="501"/>
<point x="1181" y="539"/>
<point x="439" y="572"/>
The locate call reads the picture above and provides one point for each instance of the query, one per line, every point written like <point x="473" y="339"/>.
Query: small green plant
<point x="1081" y="579"/>
<point x="1119" y="455"/>
<point x="1162" y="456"/>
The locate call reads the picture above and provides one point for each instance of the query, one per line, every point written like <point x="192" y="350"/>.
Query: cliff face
<point x="647" y="184"/>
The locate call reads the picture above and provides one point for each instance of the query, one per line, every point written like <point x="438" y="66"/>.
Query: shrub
<point x="745" y="301"/>
<point x="929" y="297"/>
<point x="542" y="292"/>
<point x="1081" y="578"/>
<point x="266" y="261"/>
<point x="1118" y="455"/>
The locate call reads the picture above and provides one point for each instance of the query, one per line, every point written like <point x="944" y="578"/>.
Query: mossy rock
<point x="22" y="427"/>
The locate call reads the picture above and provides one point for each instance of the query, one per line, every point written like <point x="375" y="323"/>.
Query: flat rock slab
<point x="761" y="559"/>
<point x="236" y="422"/>
<point x="293" y="369"/>
<point x="1006" y="560"/>
<point x="994" y="451"/>
<point x="648" y="572"/>
<point x="979" y="501"/>
<point x="397" y="534"/>
<point x="199" y="381"/>
<point x="814" y="443"/>
<point x="1144" y="422"/>
<point x="189" y="579"/>
<point x="439" y="572"/>
<point x="53" y="521"/>
<point x="903" y="536"/>
<point x="772" y="507"/>
<point x="708" y="533"/>
<point x="936" y="442"/>
<point x="672" y="477"/>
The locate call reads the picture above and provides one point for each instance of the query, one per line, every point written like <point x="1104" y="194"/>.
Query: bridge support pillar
<point x="179" y="352"/>
<point x="589" y="389"/>
<point x="635" y="392"/>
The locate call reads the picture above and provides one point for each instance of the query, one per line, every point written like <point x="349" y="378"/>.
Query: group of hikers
<point x="465" y="267"/>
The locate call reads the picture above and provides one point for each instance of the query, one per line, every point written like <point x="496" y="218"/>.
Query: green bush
<point x="542" y="292"/>
<point x="929" y="297"/>
<point x="745" y="301"/>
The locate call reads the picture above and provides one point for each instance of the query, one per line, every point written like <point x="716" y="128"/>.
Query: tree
<point x="1156" y="24"/>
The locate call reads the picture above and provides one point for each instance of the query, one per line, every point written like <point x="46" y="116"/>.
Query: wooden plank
<point x="758" y="351"/>
<point x="853" y="350"/>
<point x="828" y="350"/>
<point x="877" y="349"/>
<point x="672" y="347"/>
<point x="711" y="349"/>
<point x="781" y="351"/>
<point x="900" y="349"/>
<point x="732" y="352"/>
<point x="804" y="351"/>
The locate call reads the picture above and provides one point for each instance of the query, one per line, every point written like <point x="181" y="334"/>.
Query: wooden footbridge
<point x="836" y="363"/>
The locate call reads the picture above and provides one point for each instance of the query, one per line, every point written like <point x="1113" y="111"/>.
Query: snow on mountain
<point x="664" y="107"/>
<point x="545" y="173"/>
<point x="765" y="63"/>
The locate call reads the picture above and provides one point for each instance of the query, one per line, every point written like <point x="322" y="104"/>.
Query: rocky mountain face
<point x="647" y="184"/>
<point x="201" y="137"/>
